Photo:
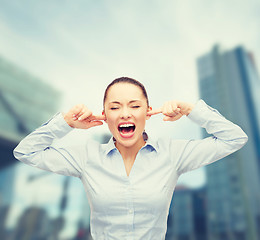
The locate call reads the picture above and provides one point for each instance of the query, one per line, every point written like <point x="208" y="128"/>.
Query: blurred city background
<point x="55" y="54"/>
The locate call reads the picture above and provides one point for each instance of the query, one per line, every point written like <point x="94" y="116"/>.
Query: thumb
<point x="166" y="118"/>
<point x="95" y="123"/>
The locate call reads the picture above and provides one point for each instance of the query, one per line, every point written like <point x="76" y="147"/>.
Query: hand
<point x="80" y="116"/>
<point x="173" y="110"/>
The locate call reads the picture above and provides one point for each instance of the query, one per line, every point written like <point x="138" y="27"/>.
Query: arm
<point x="37" y="149"/>
<point x="226" y="138"/>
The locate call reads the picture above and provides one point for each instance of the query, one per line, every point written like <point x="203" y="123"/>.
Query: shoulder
<point x="170" y="144"/>
<point x="95" y="147"/>
<point x="93" y="144"/>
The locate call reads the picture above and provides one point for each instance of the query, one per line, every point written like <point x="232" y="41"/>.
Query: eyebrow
<point x="132" y="101"/>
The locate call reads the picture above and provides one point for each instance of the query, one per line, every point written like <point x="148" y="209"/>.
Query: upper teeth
<point x="127" y="125"/>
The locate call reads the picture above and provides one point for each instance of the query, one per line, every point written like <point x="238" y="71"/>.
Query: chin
<point x="128" y="142"/>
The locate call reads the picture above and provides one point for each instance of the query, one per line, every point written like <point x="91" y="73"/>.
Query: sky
<point x="80" y="46"/>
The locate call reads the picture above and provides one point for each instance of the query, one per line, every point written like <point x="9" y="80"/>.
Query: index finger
<point x="98" y="117"/>
<point x="154" y="112"/>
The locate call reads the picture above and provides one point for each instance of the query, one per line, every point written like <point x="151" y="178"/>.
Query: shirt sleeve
<point x="36" y="149"/>
<point x="226" y="138"/>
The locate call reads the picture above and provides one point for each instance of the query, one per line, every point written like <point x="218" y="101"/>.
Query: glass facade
<point x="187" y="217"/>
<point x="183" y="225"/>
<point x="25" y="103"/>
<point x="228" y="81"/>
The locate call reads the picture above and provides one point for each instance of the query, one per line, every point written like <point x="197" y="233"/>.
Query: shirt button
<point x="130" y="211"/>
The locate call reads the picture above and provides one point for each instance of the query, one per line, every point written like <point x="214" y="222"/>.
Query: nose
<point x="125" y="113"/>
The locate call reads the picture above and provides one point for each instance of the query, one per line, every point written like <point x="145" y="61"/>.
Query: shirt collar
<point x="110" y="146"/>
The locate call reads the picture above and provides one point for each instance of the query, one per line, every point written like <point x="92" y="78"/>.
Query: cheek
<point x="142" y="116"/>
<point x="111" y="119"/>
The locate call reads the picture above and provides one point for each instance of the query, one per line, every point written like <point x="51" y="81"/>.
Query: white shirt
<point x="134" y="207"/>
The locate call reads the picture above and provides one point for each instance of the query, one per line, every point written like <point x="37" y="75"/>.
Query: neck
<point x="129" y="153"/>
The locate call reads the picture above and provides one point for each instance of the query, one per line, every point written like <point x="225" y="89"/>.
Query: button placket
<point x="130" y="207"/>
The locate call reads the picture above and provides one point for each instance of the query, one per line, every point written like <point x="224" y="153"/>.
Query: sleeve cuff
<point x="58" y="126"/>
<point x="202" y="112"/>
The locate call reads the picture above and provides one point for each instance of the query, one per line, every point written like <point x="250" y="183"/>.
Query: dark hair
<point x="126" y="80"/>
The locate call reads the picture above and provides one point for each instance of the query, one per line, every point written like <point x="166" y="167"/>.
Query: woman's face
<point x="126" y="109"/>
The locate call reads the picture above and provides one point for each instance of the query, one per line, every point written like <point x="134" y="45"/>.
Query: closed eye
<point x="135" y="106"/>
<point x="113" y="108"/>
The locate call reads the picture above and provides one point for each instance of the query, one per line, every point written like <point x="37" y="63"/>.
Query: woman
<point x="130" y="180"/>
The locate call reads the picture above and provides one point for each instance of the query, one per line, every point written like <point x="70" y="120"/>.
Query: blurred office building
<point x="33" y="224"/>
<point x="25" y="103"/>
<point x="183" y="227"/>
<point x="187" y="216"/>
<point x="199" y="203"/>
<point x="228" y="81"/>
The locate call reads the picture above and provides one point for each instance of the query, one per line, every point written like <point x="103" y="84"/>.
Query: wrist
<point x="66" y="118"/>
<point x="189" y="109"/>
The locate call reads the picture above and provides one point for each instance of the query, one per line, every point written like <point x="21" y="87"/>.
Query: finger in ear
<point x="149" y="109"/>
<point x="103" y="113"/>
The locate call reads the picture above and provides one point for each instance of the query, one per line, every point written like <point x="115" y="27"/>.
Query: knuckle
<point x="77" y="108"/>
<point x="88" y="113"/>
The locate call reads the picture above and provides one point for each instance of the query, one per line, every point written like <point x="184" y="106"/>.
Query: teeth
<point x="127" y="125"/>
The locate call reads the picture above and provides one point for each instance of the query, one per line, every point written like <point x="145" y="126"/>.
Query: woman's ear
<point x="103" y="113"/>
<point x="148" y="110"/>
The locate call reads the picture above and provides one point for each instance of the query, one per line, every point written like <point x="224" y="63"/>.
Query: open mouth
<point x="126" y="128"/>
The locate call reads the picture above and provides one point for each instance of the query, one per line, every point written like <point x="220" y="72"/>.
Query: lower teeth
<point x="126" y="130"/>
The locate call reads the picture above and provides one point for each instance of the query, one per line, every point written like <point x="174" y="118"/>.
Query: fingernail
<point x="79" y="118"/>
